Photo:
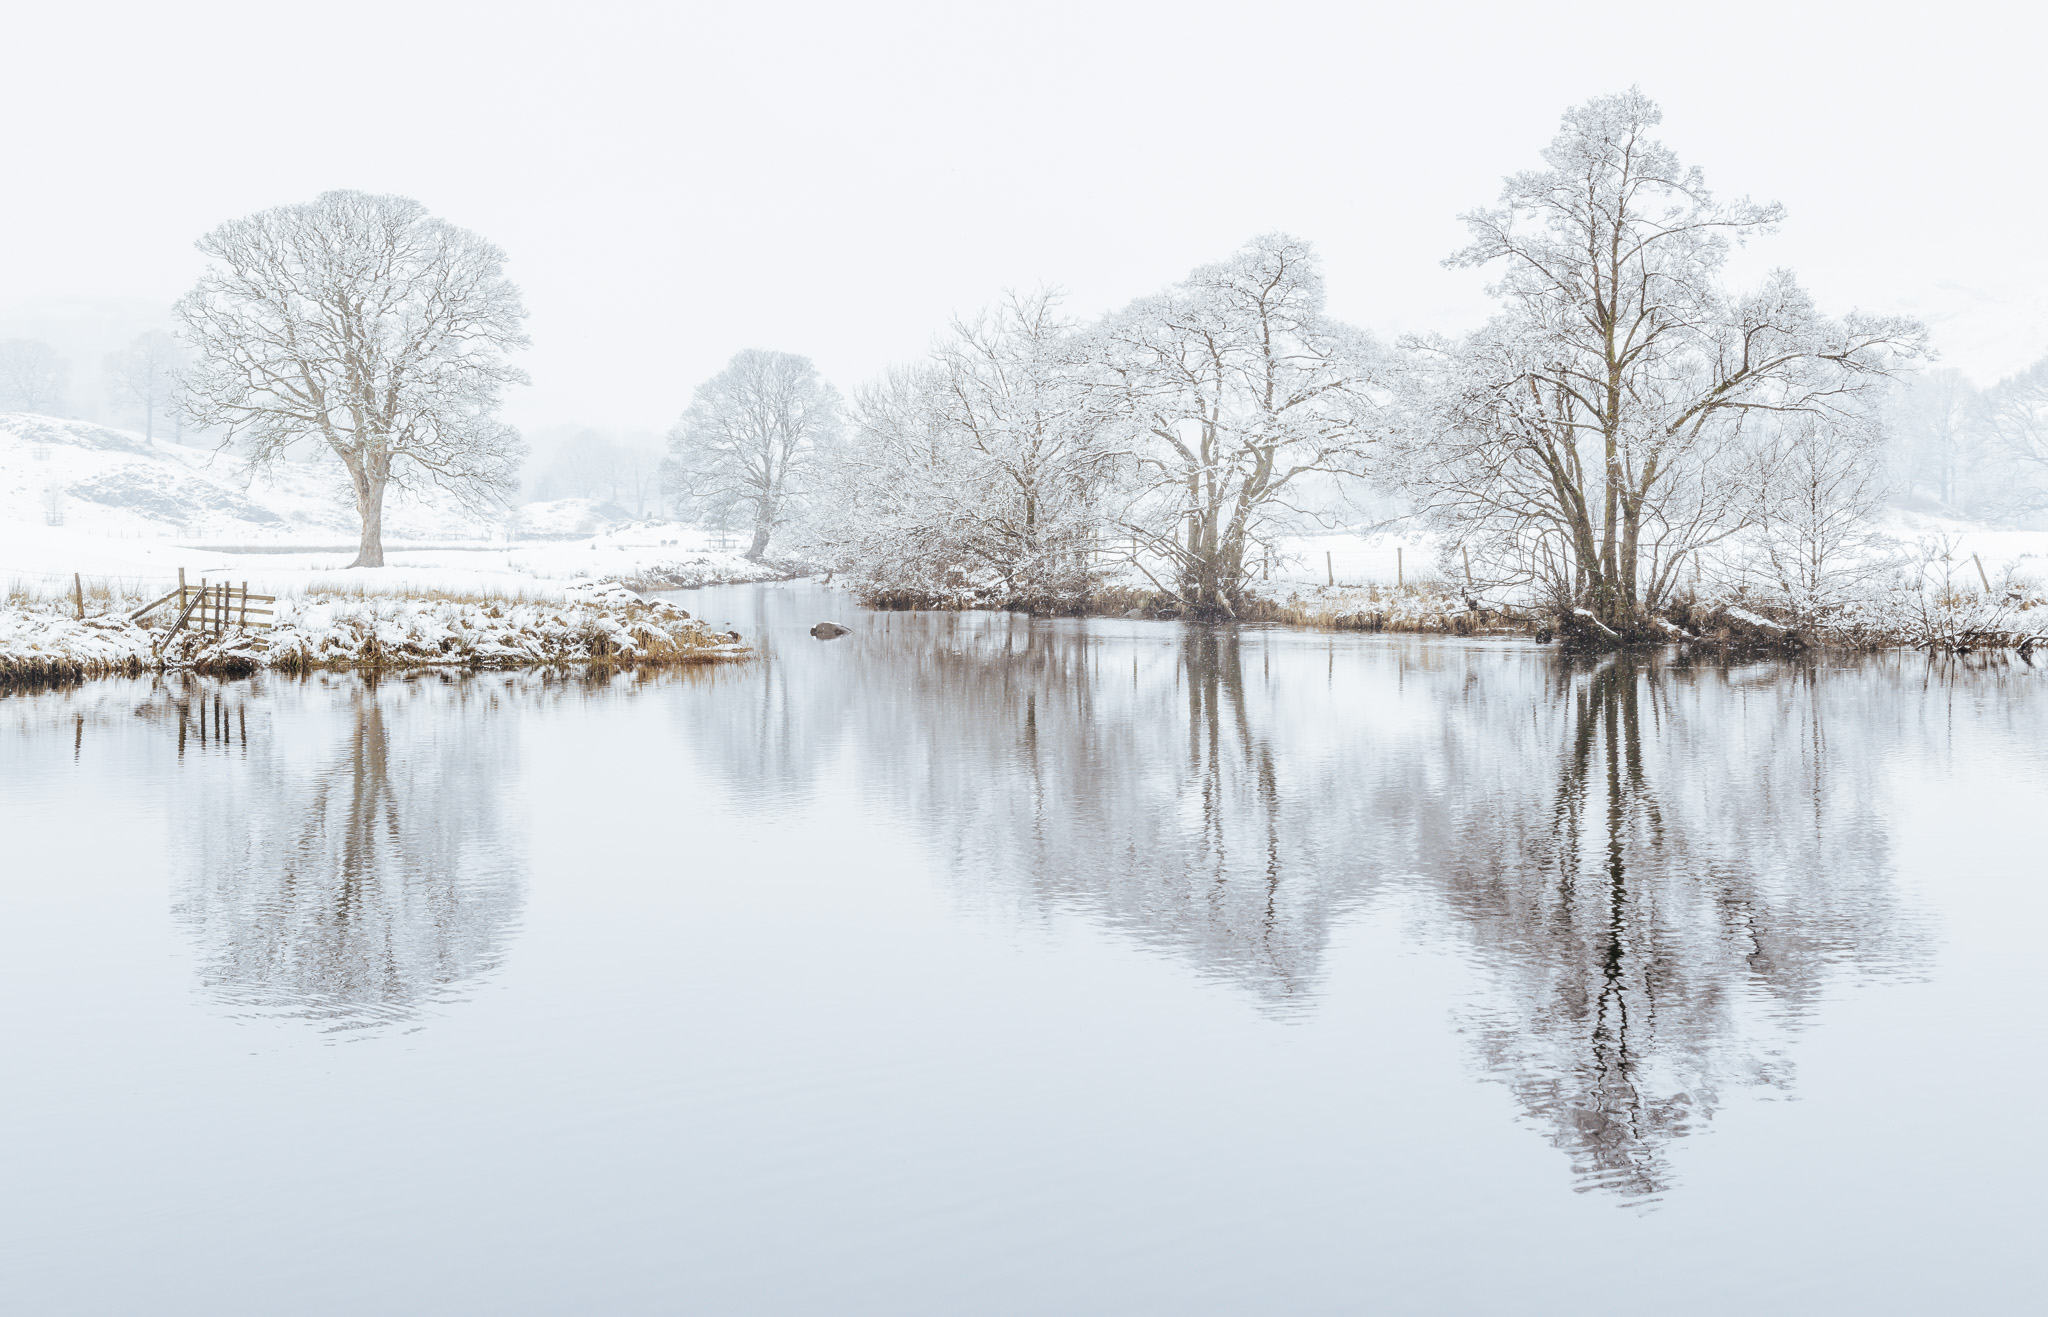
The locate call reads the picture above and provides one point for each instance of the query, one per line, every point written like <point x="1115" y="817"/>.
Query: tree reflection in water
<point x="361" y="873"/>
<point x="1656" y="871"/>
<point x="1715" y="842"/>
<point x="1652" y="867"/>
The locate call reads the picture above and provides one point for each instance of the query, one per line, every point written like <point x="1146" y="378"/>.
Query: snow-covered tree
<point x="1235" y="388"/>
<point x="1031" y="462"/>
<point x="983" y="471"/>
<point x="636" y="475"/>
<point x="1940" y="422"/>
<point x="1597" y="423"/>
<point x="876" y="514"/>
<point x="2018" y="410"/>
<point x="32" y="376"/>
<point x="144" y="375"/>
<point x="363" y="323"/>
<point x="1812" y="544"/>
<point x="745" y="446"/>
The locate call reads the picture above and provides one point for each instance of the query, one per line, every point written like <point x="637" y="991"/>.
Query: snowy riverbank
<point x="44" y="640"/>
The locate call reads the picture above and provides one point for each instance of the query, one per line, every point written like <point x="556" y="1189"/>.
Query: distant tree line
<point x="139" y="381"/>
<point x="1979" y="452"/>
<point x="604" y="468"/>
<point x="33" y="378"/>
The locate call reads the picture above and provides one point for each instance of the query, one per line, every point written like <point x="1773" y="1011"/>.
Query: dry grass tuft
<point x="363" y="590"/>
<point x="103" y="594"/>
<point x="1423" y="608"/>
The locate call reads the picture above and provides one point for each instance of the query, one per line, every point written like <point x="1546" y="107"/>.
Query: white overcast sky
<point x="674" y="182"/>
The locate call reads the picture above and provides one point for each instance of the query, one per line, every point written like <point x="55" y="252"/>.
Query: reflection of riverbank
<point x="1651" y="875"/>
<point x="1657" y="868"/>
<point x="359" y="860"/>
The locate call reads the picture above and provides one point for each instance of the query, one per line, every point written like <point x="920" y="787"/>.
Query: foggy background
<point x="673" y="183"/>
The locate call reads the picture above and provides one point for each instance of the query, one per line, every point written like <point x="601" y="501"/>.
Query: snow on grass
<point x="1353" y="558"/>
<point x="40" y="644"/>
<point x="592" y="623"/>
<point x="1424" y="607"/>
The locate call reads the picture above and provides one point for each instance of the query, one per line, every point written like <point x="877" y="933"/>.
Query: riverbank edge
<point x="1345" y="608"/>
<point x="610" y="629"/>
<point x="70" y="672"/>
<point x="1399" y="610"/>
<point x="1735" y="628"/>
<point x="658" y="582"/>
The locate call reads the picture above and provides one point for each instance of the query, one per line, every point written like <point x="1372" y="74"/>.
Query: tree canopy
<point x="363" y="323"/>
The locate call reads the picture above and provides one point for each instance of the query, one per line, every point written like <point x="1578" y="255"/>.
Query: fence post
<point x="1330" y="566"/>
<point x="1973" y="558"/>
<point x="78" y="593"/>
<point x="1400" y="572"/>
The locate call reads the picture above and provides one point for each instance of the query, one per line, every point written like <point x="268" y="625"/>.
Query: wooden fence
<point x="214" y="607"/>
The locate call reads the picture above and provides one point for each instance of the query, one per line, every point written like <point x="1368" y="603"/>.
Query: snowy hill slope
<point x="117" y="483"/>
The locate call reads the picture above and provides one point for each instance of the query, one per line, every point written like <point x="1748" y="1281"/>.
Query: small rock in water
<point x="829" y="630"/>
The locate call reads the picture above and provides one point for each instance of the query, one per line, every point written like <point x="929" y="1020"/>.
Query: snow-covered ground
<point x="132" y="512"/>
<point x="118" y="485"/>
<point x="1412" y="555"/>
<point x="592" y="623"/>
<point x="1348" y="558"/>
<point x="2024" y="551"/>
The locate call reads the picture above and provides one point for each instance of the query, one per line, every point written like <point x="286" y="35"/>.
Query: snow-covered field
<point x="131" y="513"/>
<point x="41" y="560"/>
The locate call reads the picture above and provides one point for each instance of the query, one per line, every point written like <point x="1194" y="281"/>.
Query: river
<point x="972" y="963"/>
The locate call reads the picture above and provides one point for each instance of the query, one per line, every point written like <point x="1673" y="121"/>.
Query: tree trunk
<point x="760" y="544"/>
<point x="370" y="505"/>
<point x="1628" y="598"/>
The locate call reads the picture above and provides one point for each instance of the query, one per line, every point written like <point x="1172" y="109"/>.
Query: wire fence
<point x="1393" y="565"/>
<point x="15" y="575"/>
<point x="94" y="593"/>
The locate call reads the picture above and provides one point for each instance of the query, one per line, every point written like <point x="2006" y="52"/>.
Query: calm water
<point x="971" y="964"/>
